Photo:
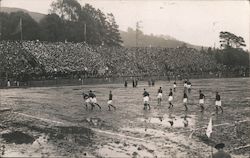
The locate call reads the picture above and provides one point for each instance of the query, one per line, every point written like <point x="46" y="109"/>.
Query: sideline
<point x="39" y="118"/>
<point x="216" y="125"/>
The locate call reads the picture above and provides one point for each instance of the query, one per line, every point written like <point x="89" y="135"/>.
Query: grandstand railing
<point x="62" y="81"/>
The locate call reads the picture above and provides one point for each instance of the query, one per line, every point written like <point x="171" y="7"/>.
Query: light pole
<point x="55" y="70"/>
<point x="0" y="5"/>
<point x="85" y="33"/>
<point x="137" y="31"/>
<point x="0" y="21"/>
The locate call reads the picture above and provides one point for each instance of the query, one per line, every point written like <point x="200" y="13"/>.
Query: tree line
<point x="231" y="53"/>
<point x="67" y="21"/>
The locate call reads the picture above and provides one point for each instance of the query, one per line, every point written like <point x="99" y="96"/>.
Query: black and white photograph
<point x="125" y="78"/>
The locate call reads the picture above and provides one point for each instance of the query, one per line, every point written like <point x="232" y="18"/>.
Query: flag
<point x="209" y="128"/>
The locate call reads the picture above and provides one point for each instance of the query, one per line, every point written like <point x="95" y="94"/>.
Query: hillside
<point x="144" y="40"/>
<point x="129" y="37"/>
<point x="36" y="16"/>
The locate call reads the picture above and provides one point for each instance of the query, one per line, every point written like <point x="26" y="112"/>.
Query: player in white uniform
<point x="110" y="101"/>
<point x="185" y="99"/>
<point x="146" y="100"/>
<point x="175" y="86"/>
<point x="159" y="96"/>
<point x="170" y="98"/>
<point x="93" y="100"/>
<point x="218" y="102"/>
<point x="86" y="99"/>
<point x="201" y="100"/>
<point x="189" y="86"/>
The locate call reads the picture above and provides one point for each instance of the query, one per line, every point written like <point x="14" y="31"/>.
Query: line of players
<point x="90" y="99"/>
<point x="187" y="87"/>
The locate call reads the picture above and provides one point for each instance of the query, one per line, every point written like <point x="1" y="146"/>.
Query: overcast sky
<point x="195" y="22"/>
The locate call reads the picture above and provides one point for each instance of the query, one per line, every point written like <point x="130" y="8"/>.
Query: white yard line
<point x="217" y="125"/>
<point x="39" y="118"/>
<point x="119" y="135"/>
<point x="241" y="147"/>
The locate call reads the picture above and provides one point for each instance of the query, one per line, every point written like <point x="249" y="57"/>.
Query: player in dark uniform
<point x="185" y="121"/>
<point x="93" y="100"/>
<point x="126" y="84"/>
<point x="170" y="98"/>
<point x="86" y="99"/>
<point x="153" y="82"/>
<point x="146" y="100"/>
<point x="174" y="86"/>
<point x="149" y="82"/>
<point x="159" y="96"/>
<point x="185" y="99"/>
<point x="218" y="102"/>
<point x="185" y="85"/>
<point x="189" y="86"/>
<point x="110" y="101"/>
<point x="201" y="100"/>
<point x="133" y="83"/>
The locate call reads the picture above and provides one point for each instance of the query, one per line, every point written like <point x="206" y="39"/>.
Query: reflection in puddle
<point x="38" y="148"/>
<point x="17" y="137"/>
<point x="171" y="121"/>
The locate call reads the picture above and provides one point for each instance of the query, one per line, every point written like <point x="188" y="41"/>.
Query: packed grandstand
<point x="43" y="59"/>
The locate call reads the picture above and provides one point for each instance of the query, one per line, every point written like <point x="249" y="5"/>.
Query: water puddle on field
<point x="20" y="144"/>
<point x="171" y="121"/>
<point x="129" y="148"/>
<point x="18" y="137"/>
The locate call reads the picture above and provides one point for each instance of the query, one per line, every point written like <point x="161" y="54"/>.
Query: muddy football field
<point x="52" y="121"/>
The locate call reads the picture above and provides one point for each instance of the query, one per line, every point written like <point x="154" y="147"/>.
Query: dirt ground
<point x="52" y="121"/>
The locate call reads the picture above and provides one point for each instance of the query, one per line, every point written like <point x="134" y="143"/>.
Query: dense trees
<point x="68" y="20"/>
<point x="52" y="27"/>
<point x="229" y="40"/>
<point x="231" y="54"/>
<point x="66" y="9"/>
<point x="11" y="26"/>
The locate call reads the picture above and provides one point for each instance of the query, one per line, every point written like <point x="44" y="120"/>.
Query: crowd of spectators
<point x="43" y="58"/>
<point x="14" y="60"/>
